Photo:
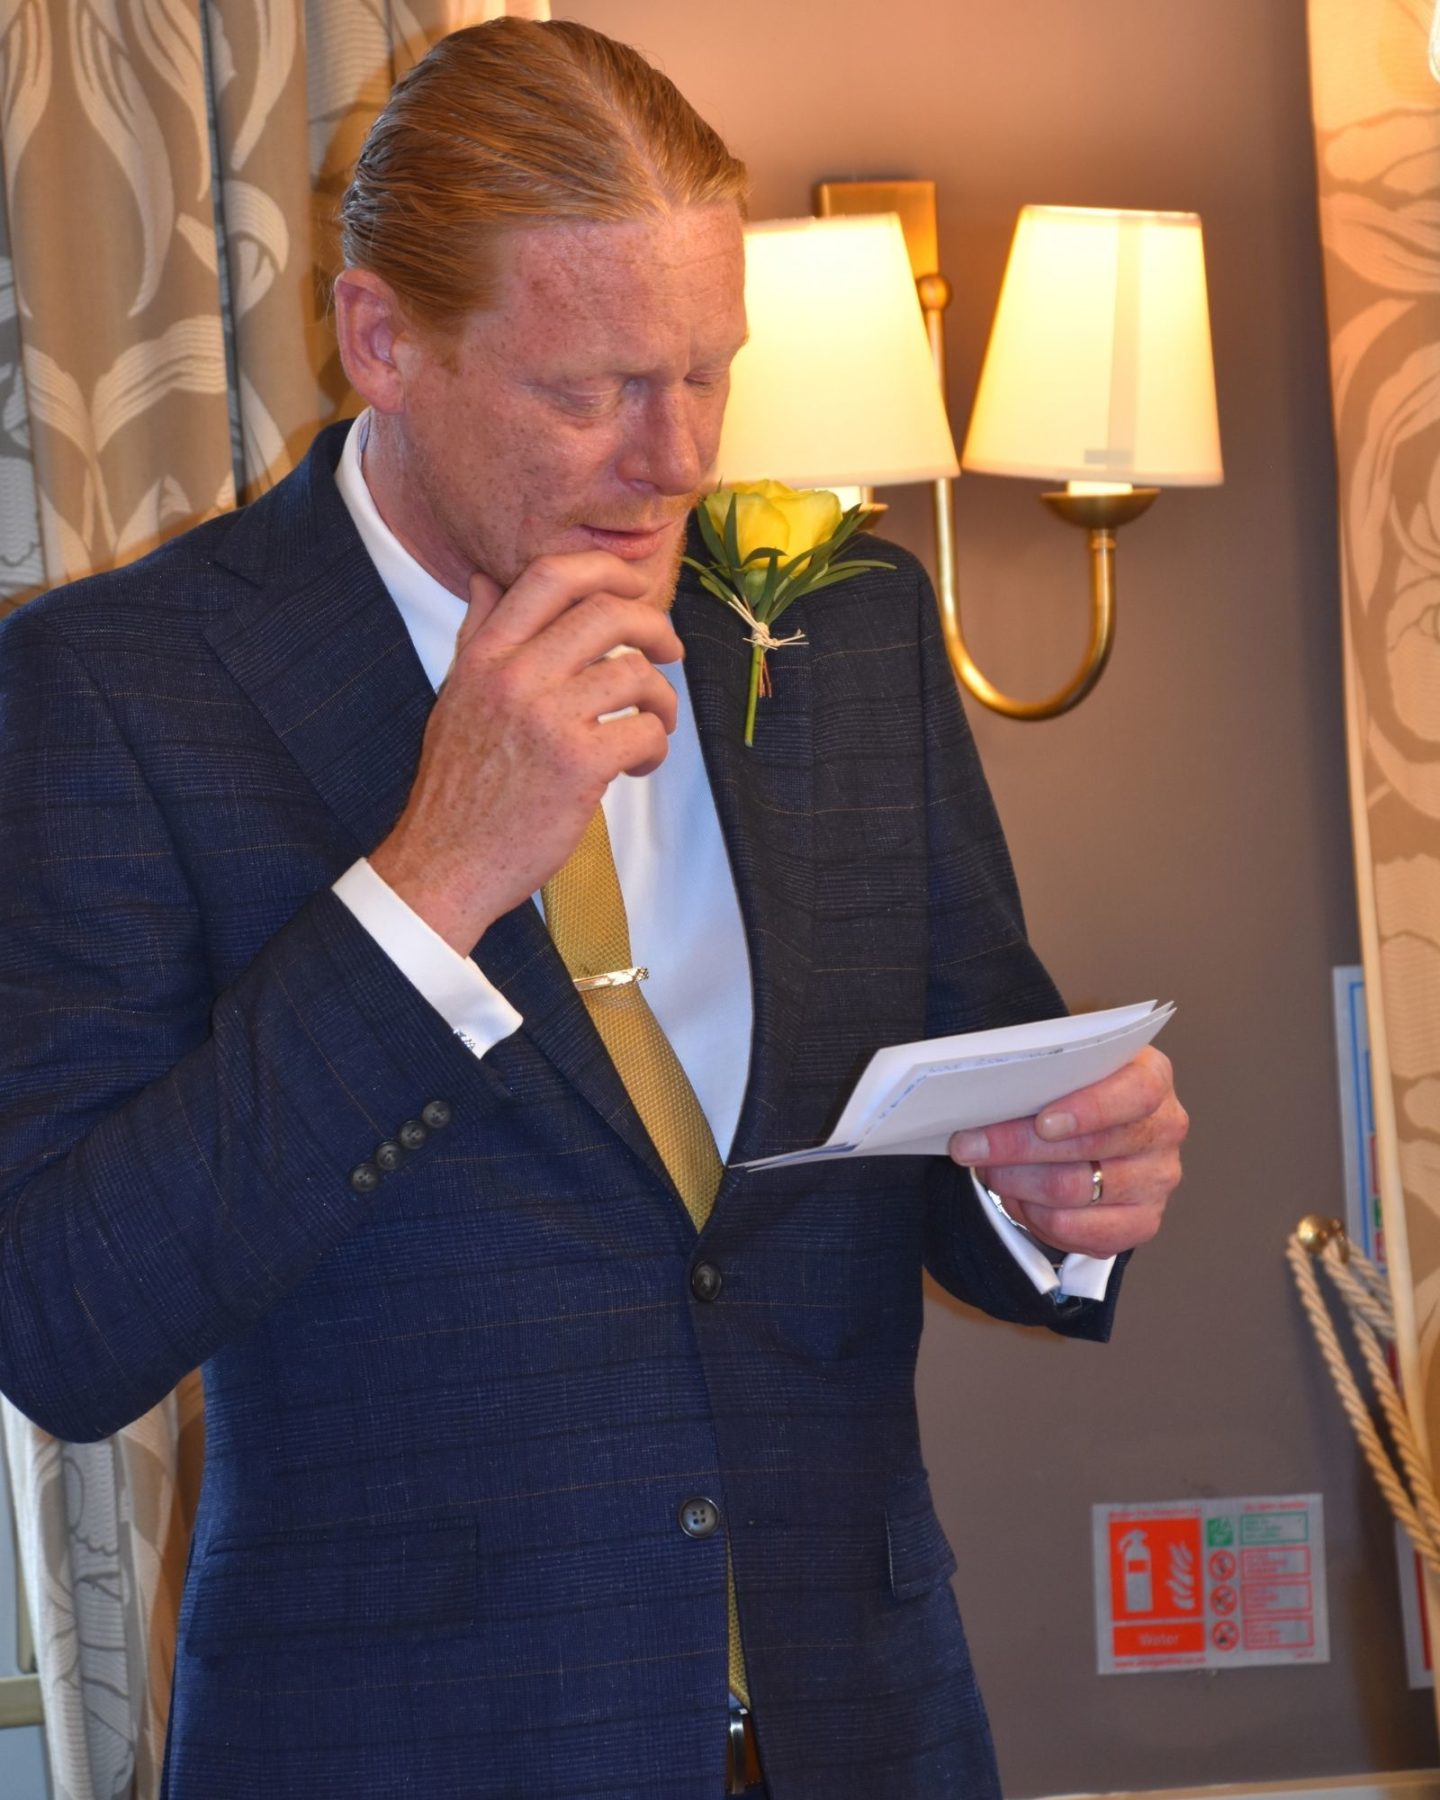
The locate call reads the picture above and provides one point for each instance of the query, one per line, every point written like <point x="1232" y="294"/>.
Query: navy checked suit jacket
<point x="450" y="1423"/>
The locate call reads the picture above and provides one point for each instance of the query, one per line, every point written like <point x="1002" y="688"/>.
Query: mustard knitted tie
<point x="585" y="912"/>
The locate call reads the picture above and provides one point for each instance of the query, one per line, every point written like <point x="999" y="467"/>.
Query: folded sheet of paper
<point x="912" y="1096"/>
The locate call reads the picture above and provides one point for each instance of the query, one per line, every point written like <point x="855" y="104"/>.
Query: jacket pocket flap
<point x="920" y="1557"/>
<point x="369" y="1583"/>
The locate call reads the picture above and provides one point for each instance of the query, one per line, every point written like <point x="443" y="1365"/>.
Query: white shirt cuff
<point x="476" y="1010"/>
<point x="1078" y="1277"/>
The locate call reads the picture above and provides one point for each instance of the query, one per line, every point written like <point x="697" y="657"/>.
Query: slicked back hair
<point x="512" y="124"/>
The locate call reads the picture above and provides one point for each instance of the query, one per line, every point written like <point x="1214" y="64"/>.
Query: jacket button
<point x="436" y="1114"/>
<point x="388" y="1156"/>
<point x="412" y="1134"/>
<point x="365" y="1178"/>
<point x="699" y="1516"/>
<point x="705" y="1281"/>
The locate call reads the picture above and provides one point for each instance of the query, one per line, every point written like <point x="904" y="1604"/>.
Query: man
<point x="539" y="1460"/>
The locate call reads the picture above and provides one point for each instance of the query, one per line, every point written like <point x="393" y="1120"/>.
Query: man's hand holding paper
<point x="1129" y="1123"/>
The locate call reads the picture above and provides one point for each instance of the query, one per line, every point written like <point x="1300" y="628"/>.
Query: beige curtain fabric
<point x="1377" y="131"/>
<point x="170" y="175"/>
<point x="104" y="1530"/>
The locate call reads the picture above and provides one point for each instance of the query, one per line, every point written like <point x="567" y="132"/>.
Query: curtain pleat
<point x="105" y="142"/>
<point x="1377" y="137"/>
<point x="277" y="312"/>
<point x="22" y="570"/>
<point x="171" y="174"/>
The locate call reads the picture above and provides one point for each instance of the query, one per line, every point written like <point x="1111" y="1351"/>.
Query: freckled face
<point x="583" y="410"/>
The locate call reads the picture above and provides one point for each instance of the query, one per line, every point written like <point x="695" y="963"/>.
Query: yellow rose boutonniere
<point x="770" y="544"/>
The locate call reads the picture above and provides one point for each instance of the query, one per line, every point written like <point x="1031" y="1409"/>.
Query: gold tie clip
<point x="616" y="978"/>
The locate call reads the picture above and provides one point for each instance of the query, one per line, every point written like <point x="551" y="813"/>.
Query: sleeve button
<point x="412" y="1134"/>
<point x="436" y="1114"/>
<point x="388" y="1156"/>
<point x="365" y="1178"/>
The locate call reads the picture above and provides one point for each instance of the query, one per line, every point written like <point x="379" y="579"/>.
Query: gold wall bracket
<point x="1101" y="515"/>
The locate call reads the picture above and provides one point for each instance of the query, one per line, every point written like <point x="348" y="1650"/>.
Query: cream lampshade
<point x="836" y="386"/>
<point x="1099" y="366"/>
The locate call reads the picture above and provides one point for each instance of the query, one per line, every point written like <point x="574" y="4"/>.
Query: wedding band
<point x="1097" y="1185"/>
<point x="624" y="712"/>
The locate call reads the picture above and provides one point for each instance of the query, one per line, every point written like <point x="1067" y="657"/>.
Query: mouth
<point x="632" y="544"/>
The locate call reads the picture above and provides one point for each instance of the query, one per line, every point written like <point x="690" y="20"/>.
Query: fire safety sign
<point x="1210" y="1584"/>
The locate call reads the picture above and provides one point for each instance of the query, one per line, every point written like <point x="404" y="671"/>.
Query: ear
<point x="372" y="331"/>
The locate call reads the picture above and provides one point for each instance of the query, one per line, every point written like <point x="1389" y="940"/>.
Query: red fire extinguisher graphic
<point x="1137" y="1583"/>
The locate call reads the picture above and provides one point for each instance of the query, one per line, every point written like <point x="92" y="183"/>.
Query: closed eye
<point x="591" y="403"/>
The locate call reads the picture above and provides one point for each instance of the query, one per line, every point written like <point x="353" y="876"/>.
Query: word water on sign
<point x="1210" y="1584"/>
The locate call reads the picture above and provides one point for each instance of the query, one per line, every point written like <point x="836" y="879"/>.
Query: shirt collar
<point x="431" y="613"/>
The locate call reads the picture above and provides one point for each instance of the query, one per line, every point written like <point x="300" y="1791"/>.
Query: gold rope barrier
<point x="1361" y="1287"/>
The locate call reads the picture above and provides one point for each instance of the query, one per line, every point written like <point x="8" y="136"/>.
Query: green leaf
<point x="714" y="584"/>
<point x="855" y="563"/>
<point x="732" y="534"/>
<point x="802" y="564"/>
<point x="772" y="581"/>
<point x="710" y="535"/>
<point x="844" y="572"/>
<point x="711" y="580"/>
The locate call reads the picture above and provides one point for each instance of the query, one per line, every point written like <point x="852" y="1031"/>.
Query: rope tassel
<point x="1322" y="1243"/>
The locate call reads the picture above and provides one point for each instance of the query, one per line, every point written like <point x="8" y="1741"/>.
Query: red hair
<point x="515" y="123"/>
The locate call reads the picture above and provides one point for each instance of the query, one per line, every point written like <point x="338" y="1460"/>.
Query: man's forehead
<point x="559" y="258"/>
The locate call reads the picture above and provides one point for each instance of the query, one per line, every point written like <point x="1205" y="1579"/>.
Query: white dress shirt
<point x="680" y="900"/>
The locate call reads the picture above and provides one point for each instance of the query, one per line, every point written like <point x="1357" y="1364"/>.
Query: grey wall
<point x="1185" y="834"/>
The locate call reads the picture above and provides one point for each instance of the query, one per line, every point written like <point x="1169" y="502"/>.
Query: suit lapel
<point x="764" y="795"/>
<point x="519" y="957"/>
<point x="321" y="650"/>
<point x="764" y="799"/>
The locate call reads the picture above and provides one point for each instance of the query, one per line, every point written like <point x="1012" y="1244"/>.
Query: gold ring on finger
<point x="1097" y="1185"/>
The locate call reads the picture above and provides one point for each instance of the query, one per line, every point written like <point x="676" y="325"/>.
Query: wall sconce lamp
<point x="1098" y="373"/>
<point x="836" y="387"/>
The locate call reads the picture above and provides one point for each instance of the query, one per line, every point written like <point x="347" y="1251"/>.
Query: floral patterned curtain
<point x="171" y="169"/>
<point x="1377" y="132"/>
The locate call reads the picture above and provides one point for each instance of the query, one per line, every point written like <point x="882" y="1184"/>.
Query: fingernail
<point x="970" y="1146"/>
<point x="1056" y="1125"/>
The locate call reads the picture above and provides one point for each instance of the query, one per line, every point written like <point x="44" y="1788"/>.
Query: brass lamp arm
<point x="1100" y="515"/>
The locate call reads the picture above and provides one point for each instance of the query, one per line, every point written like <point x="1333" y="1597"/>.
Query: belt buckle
<point x="742" y="1757"/>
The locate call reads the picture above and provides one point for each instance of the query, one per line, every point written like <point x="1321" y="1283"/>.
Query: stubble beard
<point x="665" y="592"/>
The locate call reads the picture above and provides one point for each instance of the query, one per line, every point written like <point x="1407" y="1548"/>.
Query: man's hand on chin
<point x="1130" y="1124"/>
<point x="535" y="719"/>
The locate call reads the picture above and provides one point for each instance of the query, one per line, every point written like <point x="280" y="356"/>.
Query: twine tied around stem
<point x="761" y="635"/>
<point x="764" y="640"/>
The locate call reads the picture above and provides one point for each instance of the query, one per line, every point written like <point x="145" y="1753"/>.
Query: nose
<point x="672" y="444"/>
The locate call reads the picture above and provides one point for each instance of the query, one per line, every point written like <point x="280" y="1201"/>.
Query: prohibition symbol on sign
<point x="1225" y="1635"/>
<point x="1222" y="1566"/>
<point x="1224" y="1599"/>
